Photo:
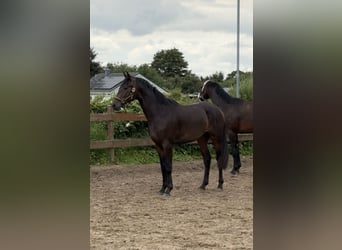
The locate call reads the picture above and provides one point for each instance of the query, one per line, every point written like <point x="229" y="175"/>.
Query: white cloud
<point x="204" y="31"/>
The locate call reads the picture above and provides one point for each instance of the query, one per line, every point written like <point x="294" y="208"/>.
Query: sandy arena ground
<point x="127" y="212"/>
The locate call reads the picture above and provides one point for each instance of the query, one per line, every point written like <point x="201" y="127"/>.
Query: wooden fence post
<point x="110" y="132"/>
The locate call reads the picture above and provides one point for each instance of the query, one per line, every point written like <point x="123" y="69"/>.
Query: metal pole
<point x="238" y="51"/>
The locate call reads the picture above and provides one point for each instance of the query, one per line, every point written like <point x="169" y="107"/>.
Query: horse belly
<point x="246" y="126"/>
<point x="190" y="131"/>
<point x="188" y="136"/>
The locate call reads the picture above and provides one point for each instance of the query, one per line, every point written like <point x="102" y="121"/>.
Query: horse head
<point x="126" y="93"/>
<point x="203" y="94"/>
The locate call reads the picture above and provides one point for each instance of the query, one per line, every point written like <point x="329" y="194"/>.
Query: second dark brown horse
<point x="238" y="115"/>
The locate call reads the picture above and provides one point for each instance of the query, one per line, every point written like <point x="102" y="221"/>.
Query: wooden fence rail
<point x="110" y="143"/>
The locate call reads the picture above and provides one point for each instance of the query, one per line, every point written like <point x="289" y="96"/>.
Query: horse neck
<point x="218" y="100"/>
<point x="149" y="102"/>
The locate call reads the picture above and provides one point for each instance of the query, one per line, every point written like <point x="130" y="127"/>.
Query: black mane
<point x="223" y="94"/>
<point x="162" y="99"/>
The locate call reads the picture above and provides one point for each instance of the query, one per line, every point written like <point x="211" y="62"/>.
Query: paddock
<point x="127" y="211"/>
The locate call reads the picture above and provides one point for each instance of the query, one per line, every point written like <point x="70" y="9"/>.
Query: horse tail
<point x="217" y="121"/>
<point x="222" y="160"/>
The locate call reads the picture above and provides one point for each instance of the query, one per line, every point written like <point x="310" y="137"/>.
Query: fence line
<point x="110" y="143"/>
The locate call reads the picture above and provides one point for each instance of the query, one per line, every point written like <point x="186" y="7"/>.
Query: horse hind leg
<point x="203" y="145"/>
<point x="168" y="173"/>
<point x="220" y="146"/>
<point x="235" y="152"/>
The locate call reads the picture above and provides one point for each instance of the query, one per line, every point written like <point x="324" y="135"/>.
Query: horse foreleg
<point x="165" y="157"/>
<point x="220" y="182"/>
<point x="233" y="137"/>
<point x="203" y="144"/>
<point x="162" y="190"/>
<point x="236" y="156"/>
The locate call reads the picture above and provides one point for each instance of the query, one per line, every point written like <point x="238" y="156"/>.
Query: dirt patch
<point x="127" y="212"/>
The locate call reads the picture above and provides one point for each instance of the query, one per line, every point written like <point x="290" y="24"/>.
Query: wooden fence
<point x="112" y="143"/>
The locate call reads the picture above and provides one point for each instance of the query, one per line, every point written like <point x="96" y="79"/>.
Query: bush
<point x="246" y="86"/>
<point x="246" y="89"/>
<point x="246" y="148"/>
<point x="99" y="104"/>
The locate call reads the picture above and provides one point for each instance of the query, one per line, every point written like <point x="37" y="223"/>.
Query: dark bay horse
<point x="238" y="115"/>
<point x="170" y="123"/>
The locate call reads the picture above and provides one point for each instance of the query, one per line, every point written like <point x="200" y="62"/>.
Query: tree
<point x="121" y="67"/>
<point x="216" y="77"/>
<point x="95" y="67"/>
<point x="152" y="74"/>
<point x="170" y="63"/>
<point x="233" y="74"/>
<point x="191" y="84"/>
<point x="246" y="84"/>
<point x="230" y="80"/>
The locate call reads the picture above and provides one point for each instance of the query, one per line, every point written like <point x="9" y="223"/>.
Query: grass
<point x="146" y="155"/>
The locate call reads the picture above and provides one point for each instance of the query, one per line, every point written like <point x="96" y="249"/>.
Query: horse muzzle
<point x="116" y="105"/>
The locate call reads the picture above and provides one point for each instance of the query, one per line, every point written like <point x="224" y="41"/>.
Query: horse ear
<point x="128" y="76"/>
<point x="124" y="73"/>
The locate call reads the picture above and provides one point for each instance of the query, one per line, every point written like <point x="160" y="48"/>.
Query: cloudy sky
<point x="132" y="31"/>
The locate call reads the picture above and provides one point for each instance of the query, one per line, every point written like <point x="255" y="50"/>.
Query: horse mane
<point x="162" y="99"/>
<point x="223" y="94"/>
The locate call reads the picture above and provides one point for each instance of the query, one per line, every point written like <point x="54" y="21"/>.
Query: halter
<point x="128" y="98"/>
<point x="204" y="84"/>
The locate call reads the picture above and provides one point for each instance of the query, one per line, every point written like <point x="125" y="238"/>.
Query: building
<point x="107" y="84"/>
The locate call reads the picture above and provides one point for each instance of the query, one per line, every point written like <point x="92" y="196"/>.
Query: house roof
<point x="110" y="82"/>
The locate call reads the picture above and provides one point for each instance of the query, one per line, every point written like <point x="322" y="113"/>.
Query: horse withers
<point x="238" y="115"/>
<point x="171" y="123"/>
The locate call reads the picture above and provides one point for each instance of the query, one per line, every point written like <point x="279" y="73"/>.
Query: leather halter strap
<point x="128" y="98"/>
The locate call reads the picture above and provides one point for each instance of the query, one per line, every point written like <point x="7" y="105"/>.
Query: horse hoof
<point x="234" y="172"/>
<point x="202" y="187"/>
